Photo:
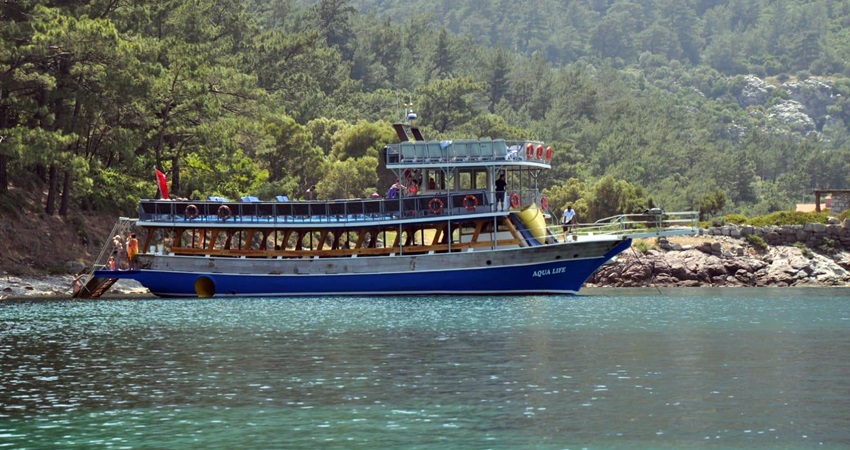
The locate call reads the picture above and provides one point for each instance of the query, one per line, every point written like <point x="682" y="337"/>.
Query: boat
<point x="451" y="237"/>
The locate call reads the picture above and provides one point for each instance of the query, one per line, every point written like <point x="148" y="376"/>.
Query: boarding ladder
<point x="94" y="287"/>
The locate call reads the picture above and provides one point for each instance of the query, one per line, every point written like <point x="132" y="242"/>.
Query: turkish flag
<point x="163" y="183"/>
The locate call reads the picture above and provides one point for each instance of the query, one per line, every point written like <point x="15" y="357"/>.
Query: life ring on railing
<point x="529" y="151"/>
<point x="514" y="200"/>
<point x="544" y="202"/>
<point x="436" y="205"/>
<point x="191" y="212"/>
<point x="224" y="212"/>
<point x="550" y="152"/>
<point x="540" y="152"/>
<point x="470" y="205"/>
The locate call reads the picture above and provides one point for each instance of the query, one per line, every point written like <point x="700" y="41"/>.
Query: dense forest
<point x="645" y="102"/>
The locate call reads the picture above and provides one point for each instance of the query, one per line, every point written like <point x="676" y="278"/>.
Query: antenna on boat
<point x="409" y="115"/>
<point x="404" y="128"/>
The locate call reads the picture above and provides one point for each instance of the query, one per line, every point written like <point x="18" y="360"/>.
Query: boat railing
<point x="466" y="150"/>
<point x="431" y="204"/>
<point x="648" y="224"/>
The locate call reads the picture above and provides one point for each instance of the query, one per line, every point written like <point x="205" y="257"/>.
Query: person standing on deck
<point x="568" y="220"/>
<point x="133" y="252"/>
<point x="501" y="184"/>
<point x="119" y="251"/>
<point x="311" y="193"/>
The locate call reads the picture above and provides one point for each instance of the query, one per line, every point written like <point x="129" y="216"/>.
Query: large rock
<point x="793" y="116"/>
<point x="814" y="94"/>
<point x="755" y="92"/>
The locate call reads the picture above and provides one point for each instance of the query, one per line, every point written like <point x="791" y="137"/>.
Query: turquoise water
<point x="612" y="368"/>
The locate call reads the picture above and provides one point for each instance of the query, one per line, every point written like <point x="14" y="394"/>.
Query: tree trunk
<point x="4" y="159"/>
<point x="52" y="188"/>
<point x="66" y="194"/>
<point x="4" y="177"/>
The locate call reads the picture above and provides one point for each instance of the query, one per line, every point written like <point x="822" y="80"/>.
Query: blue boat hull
<point x="564" y="276"/>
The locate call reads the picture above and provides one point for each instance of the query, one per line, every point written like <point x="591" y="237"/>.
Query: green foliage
<point x="573" y="193"/>
<point x="448" y="104"/>
<point x="806" y="251"/>
<point x="712" y="202"/>
<point x="116" y="190"/>
<point x="757" y="242"/>
<point x="361" y="139"/>
<point x="294" y="164"/>
<point x="788" y="218"/>
<point x="717" y="222"/>
<point x="642" y="245"/>
<point x="737" y="219"/>
<point x="246" y="97"/>
<point x="829" y="246"/>
<point x="351" y="178"/>
<point x="12" y="204"/>
<point x="611" y="197"/>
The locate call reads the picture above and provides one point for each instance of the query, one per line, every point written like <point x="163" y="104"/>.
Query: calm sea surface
<point x="619" y="368"/>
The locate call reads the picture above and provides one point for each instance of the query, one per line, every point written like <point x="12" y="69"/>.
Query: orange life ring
<point x="540" y="152"/>
<point x="544" y="202"/>
<point x="470" y="206"/>
<point x="529" y="151"/>
<point x="435" y="205"/>
<point x="514" y="200"/>
<point x="224" y="212"/>
<point x="550" y="152"/>
<point x="191" y="212"/>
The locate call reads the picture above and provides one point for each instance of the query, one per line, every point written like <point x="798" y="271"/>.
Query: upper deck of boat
<point x="431" y="206"/>
<point x="468" y="153"/>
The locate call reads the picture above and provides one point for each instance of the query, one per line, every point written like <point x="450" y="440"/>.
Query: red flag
<point x="163" y="184"/>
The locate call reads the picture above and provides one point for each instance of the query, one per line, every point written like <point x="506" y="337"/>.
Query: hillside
<point x="34" y="243"/>
<point x="643" y="102"/>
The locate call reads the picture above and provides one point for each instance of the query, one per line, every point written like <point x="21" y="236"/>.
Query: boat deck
<point x="431" y="205"/>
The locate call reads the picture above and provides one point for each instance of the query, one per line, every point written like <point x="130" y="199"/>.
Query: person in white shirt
<point x="568" y="221"/>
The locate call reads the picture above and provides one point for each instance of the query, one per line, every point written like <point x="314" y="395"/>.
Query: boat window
<point x="472" y="179"/>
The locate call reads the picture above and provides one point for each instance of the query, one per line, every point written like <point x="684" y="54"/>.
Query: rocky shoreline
<point x="724" y="261"/>
<point x="711" y="261"/>
<point x="57" y="287"/>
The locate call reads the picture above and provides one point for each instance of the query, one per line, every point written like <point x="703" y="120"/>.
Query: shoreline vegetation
<point x="694" y="261"/>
